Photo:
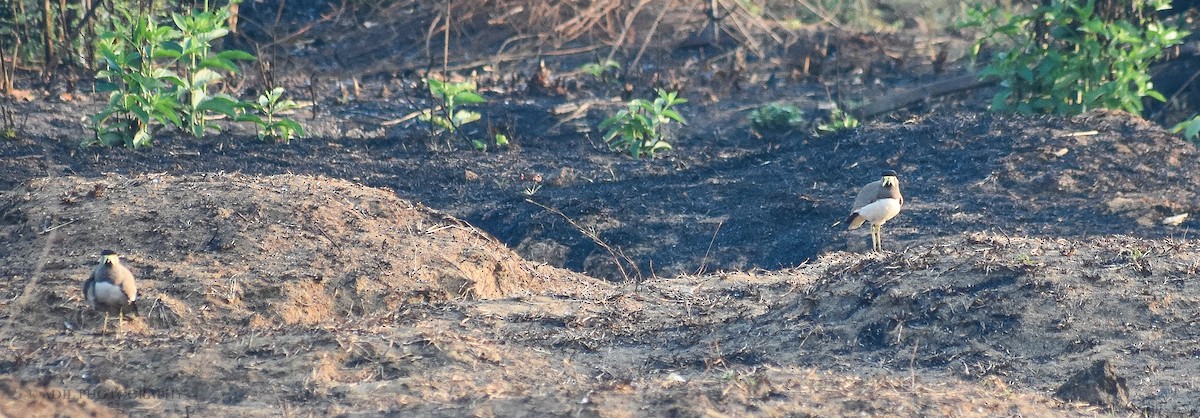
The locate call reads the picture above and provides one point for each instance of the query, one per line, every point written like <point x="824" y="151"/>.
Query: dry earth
<point x="321" y="296"/>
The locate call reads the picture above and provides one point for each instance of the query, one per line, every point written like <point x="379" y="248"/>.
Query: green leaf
<point x="218" y="62"/>
<point x="141" y="139"/>
<point x="467" y="97"/>
<point x="104" y="87"/>
<point x="671" y="114"/>
<point x="211" y="35"/>
<point x="1193" y="129"/>
<point x="204" y="77"/>
<point x="293" y="126"/>
<point x="180" y="20"/>
<point x="250" y="117"/>
<point x="221" y="105"/>
<point x="235" y="55"/>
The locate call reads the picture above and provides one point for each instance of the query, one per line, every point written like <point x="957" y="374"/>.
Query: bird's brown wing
<point x="867" y="195"/>
<point x="122" y="277"/>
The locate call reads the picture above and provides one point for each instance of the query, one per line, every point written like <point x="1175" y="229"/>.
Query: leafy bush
<point x="160" y="75"/>
<point x="775" y="119"/>
<point x="202" y="69"/>
<point x="142" y="90"/>
<point x="640" y="127"/>
<point x="1066" y="57"/>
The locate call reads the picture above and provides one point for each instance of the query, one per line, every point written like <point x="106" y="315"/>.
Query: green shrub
<point x="143" y="95"/>
<point x="775" y="119"/>
<point x="201" y="68"/>
<point x="1066" y="57"/>
<point x="639" y="128"/>
<point x="160" y="75"/>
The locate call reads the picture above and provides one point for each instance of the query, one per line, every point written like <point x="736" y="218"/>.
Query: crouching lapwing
<point x="877" y="203"/>
<point x="111" y="288"/>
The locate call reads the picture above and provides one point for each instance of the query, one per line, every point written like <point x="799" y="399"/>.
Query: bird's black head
<point x="108" y="257"/>
<point x="889" y="173"/>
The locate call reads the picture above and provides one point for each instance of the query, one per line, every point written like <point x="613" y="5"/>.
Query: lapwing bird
<point x="877" y="203"/>
<point x="111" y="288"/>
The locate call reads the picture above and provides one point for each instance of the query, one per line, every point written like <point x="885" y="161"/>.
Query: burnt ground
<point x="373" y="269"/>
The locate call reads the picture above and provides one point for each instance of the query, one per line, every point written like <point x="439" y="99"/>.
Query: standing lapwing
<point x="111" y="287"/>
<point x="877" y="202"/>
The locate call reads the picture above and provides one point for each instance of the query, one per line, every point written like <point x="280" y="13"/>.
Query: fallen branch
<point x="901" y="99"/>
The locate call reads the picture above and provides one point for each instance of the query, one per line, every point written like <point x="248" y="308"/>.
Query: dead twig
<point x="653" y="29"/>
<point x="47" y="230"/>
<point x="629" y="19"/>
<point x="904" y="98"/>
<point x="616" y="254"/>
<point x="704" y="260"/>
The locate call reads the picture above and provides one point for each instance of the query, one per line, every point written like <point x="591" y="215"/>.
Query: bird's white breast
<point x="109" y="294"/>
<point x="880" y="211"/>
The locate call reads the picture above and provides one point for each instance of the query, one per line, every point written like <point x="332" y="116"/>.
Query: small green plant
<point x="447" y="115"/>
<point x="602" y="70"/>
<point x="775" y="119"/>
<point x="839" y="120"/>
<point x="8" y="120"/>
<point x="1025" y="259"/>
<point x="1135" y="255"/>
<point x="1068" y="56"/>
<point x="639" y="129"/>
<point x="501" y="139"/>
<point x="267" y="115"/>
<point x="1190" y="129"/>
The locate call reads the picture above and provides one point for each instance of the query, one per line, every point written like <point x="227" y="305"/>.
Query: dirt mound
<point x="253" y="250"/>
<point x="241" y="266"/>
<point x="1029" y="311"/>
